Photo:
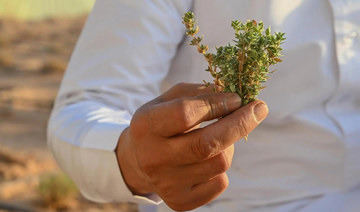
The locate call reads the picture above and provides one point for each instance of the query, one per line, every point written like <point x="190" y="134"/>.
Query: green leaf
<point x="232" y="88"/>
<point x="268" y="31"/>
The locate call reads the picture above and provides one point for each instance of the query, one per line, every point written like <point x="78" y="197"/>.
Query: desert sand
<point x="33" y="58"/>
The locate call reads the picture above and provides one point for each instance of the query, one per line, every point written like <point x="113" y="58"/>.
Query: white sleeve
<point x="120" y="60"/>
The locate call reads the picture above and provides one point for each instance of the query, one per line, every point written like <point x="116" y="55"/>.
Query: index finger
<point x="180" y="115"/>
<point x="204" y="143"/>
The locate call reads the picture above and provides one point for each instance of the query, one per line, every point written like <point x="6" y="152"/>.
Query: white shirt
<point x="304" y="157"/>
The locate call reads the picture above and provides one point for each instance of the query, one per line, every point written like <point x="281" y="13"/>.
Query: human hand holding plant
<point x="164" y="151"/>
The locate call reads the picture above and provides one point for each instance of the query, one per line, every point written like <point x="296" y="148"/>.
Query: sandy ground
<point x="33" y="57"/>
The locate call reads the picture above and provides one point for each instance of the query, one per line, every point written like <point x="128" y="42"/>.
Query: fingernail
<point x="260" y="111"/>
<point x="233" y="102"/>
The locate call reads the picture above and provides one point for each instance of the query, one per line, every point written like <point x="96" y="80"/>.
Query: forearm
<point x="83" y="137"/>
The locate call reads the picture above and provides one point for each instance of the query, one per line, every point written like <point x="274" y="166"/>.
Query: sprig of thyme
<point x="243" y="67"/>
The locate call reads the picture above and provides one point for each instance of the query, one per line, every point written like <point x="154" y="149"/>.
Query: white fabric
<point x="304" y="156"/>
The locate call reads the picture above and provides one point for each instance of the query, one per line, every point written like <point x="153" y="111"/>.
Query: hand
<point x="164" y="150"/>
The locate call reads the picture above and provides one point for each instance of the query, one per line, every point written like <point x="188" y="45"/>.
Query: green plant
<point x="243" y="67"/>
<point x="57" y="190"/>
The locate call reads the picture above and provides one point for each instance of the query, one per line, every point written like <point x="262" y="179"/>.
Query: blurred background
<point x="36" y="41"/>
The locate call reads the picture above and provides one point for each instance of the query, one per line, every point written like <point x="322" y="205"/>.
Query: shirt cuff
<point x="100" y="142"/>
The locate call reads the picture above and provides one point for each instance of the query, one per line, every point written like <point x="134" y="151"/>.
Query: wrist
<point x="129" y="169"/>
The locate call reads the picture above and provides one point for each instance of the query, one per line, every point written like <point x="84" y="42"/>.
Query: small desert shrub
<point x="57" y="191"/>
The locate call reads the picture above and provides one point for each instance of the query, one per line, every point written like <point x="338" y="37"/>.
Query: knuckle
<point x="223" y="163"/>
<point x="243" y="125"/>
<point x="223" y="183"/>
<point x="205" y="147"/>
<point x="216" y="107"/>
<point x="185" y="112"/>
